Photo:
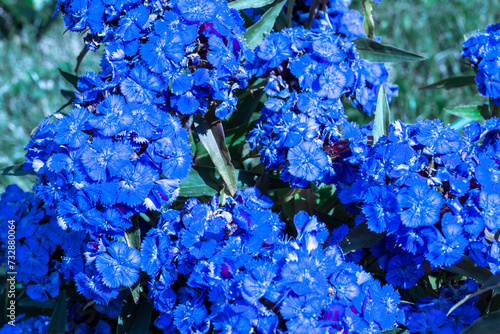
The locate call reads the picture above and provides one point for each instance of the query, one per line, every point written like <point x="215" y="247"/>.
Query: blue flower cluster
<point x="348" y="23"/>
<point x="482" y="50"/>
<point x="309" y="72"/>
<point x="39" y="241"/>
<point x="435" y="192"/>
<point x="99" y="168"/>
<point x="38" y="324"/>
<point x="232" y="269"/>
<point x="184" y="55"/>
<point x="428" y="315"/>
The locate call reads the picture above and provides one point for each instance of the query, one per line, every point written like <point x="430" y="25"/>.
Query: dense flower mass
<point x="429" y="315"/>
<point x="183" y="55"/>
<point x="348" y="24"/>
<point x="99" y="168"/>
<point x="482" y="49"/>
<point x="236" y="259"/>
<point x="309" y="72"/>
<point x="107" y="219"/>
<point x="427" y="187"/>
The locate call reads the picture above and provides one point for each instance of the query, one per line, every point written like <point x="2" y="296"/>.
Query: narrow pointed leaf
<point x="58" y="321"/>
<point x="68" y="94"/>
<point x="450" y="83"/>
<point x="245" y="4"/>
<point x="382" y="116"/>
<point x="475" y="113"/>
<point x="256" y="33"/>
<point x="492" y="283"/>
<point x="490" y="323"/>
<point x="213" y="139"/>
<point x="380" y="53"/>
<point x="467" y="267"/>
<point x="360" y="237"/>
<point x="201" y="181"/>
<point x="16" y="170"/>
<point x="134" y="318"/>
<point x="71" y="78"/>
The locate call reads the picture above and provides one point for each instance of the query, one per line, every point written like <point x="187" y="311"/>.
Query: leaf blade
<point x="58" y="321"/>
<point x="71" y="78"/>
<point x="256" y="33"/>
<point x="16" y="170"/>
<point x="474" y="113"/>
<point x="212" y="136"/>
<point x="450" y="83"/>
<point x="382" y="116"/>
<point x="381" y="53"/>
<point x="247" y="4"/>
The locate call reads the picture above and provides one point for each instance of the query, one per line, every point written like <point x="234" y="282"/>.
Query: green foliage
<point x="258" y="31"/>
<point x="380" y="53"/>
<point x="487" y="324"/>
<point x="245" y="4"/>
<point x="434" y="29"/>
<point x="475" y="113"/>
<point x="135" y="318"/>
<point x="58" y="320"/>
<point x="382" y="116"/>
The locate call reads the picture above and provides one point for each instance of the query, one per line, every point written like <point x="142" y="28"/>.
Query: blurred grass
<point x="30" y="82"/>
<point x="434" y="29"/>
<point x="30" y="86"/>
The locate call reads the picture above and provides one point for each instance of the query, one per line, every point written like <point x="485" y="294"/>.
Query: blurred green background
<point x="33" y="46"/>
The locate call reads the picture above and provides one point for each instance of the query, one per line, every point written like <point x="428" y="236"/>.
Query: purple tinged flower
<point x="119" y="266"/>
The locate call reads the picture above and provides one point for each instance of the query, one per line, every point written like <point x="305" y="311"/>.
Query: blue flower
<point x="420" y="205"/>
<point x="307" y="161"/>
<point x="119" y="266"/>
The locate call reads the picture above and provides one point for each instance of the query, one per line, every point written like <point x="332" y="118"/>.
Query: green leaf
<point x="134" y="318"/>
<point x="368" y="23"/>
<point x="246" y="4"/>
<point x="201" y="181"/>
<point x="28" y="302"/>
<point x="289" y="12"/>
<point x="381" y="53"/>
<point x="212" y="136"/>
<point x="474" y="113"/>
<point x="382" y="116"/>
<point x="396" y="331"/>
<point x="71" y="78"/>
<point x="256" y="33"/>
<point x="133" y="237"/>
<point x="68" y="94"/>
<point x="492" y="283"/>
<point x="451" y="83"/>
<point x="58" y="321"/>
<point x="16" y="170"/>
<point x="467" y="267"/>
<point x="360" y="237"/>
<point x="245" y="107"/>
<point x="490" y="323"/>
